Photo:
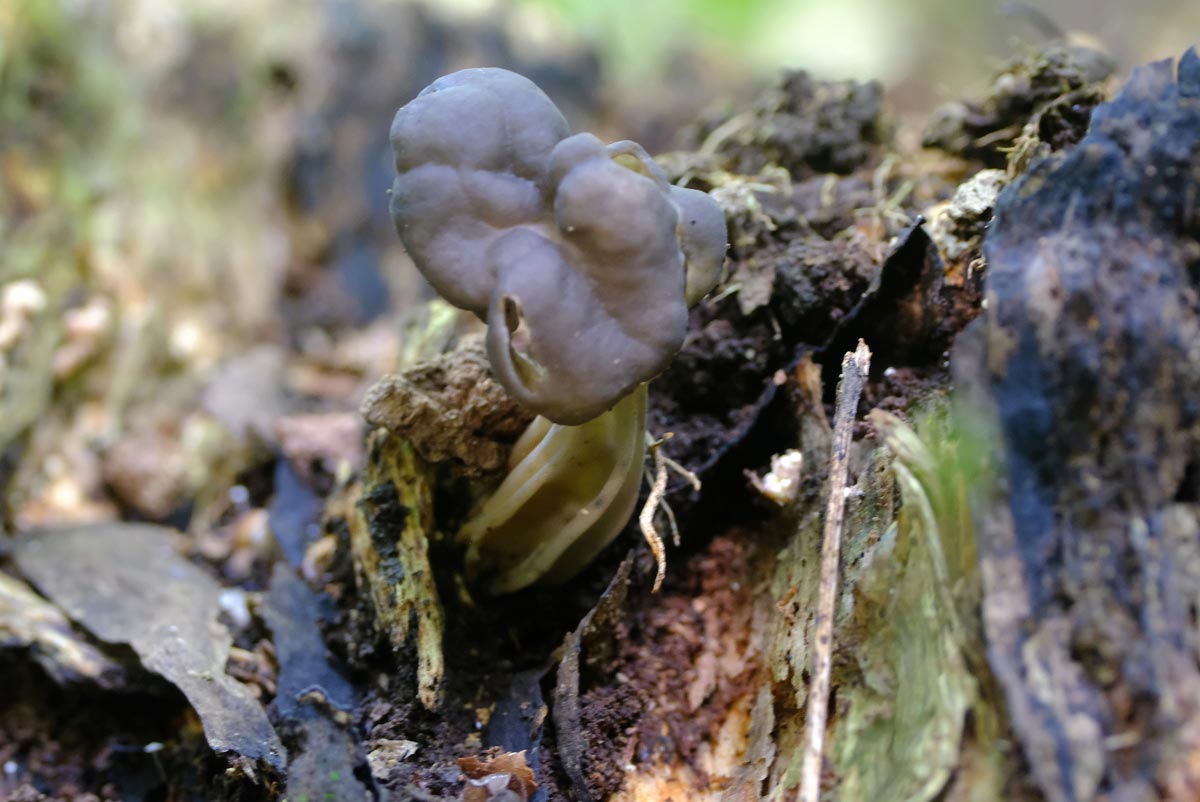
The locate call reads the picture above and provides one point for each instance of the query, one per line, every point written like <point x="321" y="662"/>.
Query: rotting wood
<point x="390" y="519"/>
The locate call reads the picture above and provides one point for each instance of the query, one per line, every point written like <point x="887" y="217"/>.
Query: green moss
<point x="910" y="711"/>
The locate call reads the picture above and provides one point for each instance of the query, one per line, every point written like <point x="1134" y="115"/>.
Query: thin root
<point x="654" y="501"/>
<point x="646" y="520"/>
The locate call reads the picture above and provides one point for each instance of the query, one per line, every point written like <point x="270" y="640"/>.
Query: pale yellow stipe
<point x="569" y="491"/>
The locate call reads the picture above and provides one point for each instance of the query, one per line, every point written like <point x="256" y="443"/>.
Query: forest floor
<point x="209" y="577"/>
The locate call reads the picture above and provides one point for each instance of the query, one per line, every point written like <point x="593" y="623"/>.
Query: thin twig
<point x="854" y="375"/>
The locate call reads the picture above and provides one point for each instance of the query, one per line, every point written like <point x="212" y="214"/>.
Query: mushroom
<point x="582" y="259"/>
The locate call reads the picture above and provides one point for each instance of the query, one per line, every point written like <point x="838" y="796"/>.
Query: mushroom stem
<point x="568" y="492"/>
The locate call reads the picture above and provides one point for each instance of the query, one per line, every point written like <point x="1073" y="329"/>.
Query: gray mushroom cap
<point x="581" y="257"/>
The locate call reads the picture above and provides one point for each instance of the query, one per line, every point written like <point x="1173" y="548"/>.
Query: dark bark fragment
<point x="1086" y="375"/>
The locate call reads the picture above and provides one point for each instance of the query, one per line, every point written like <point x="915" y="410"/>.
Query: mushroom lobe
<point x="581" y="257"/>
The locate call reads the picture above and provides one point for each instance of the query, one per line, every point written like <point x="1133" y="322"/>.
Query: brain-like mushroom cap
<point x="580" y="256"/>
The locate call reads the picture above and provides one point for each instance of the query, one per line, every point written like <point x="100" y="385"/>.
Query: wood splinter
<point x="855" y="366"/>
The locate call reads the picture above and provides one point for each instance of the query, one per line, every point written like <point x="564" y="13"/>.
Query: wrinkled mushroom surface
<point x="580" y="256"/>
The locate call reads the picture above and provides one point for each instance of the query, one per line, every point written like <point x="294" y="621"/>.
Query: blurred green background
<point x="184" y="182"/>
<point x="946" y="45"/>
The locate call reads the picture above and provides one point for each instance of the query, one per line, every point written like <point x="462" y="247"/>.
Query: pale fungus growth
<point x="582" y="259"/>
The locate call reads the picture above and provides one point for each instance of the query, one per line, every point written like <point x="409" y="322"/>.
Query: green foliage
<point x="51" y="86"/>
<point x="639" y="38"/>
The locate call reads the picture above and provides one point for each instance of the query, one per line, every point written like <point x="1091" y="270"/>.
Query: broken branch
<point x="854" y="374"/>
